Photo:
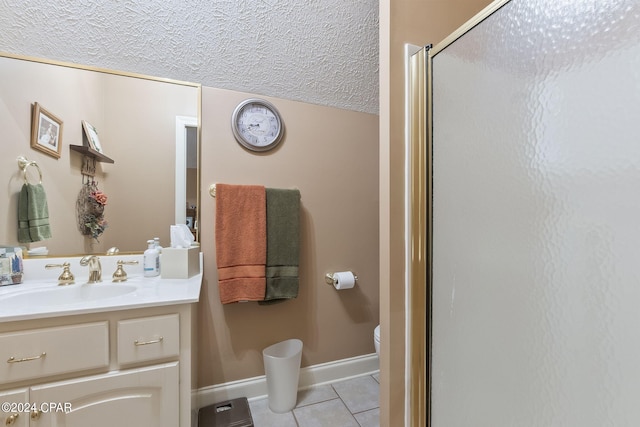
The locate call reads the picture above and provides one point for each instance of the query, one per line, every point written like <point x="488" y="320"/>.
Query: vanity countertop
<point x="39" y="295"/>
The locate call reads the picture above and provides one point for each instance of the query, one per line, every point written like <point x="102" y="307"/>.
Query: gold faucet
<point x="113" y="251"/>
<point x="120" y="275"/>
<point x="95" y="268"/>
<point x="66" y="278"/>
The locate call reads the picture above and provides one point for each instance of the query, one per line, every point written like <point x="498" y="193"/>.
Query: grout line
<point x="353" y="414"/>
<point x="319" y="401"/>
<point x="346" y="406"/>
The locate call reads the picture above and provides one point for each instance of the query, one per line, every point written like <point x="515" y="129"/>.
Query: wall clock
<point x="257" y="125"/>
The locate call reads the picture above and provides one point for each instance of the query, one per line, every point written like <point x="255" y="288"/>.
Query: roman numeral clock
<point x="256" y="125"/>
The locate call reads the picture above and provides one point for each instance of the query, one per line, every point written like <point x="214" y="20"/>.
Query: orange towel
<point x="241" y="242"/>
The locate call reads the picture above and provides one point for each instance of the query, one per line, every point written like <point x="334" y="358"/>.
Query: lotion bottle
<point x="151" y="260"/>
<point x="156" y="244"/>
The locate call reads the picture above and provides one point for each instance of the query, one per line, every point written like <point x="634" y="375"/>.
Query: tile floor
<point x="348" y="403"/>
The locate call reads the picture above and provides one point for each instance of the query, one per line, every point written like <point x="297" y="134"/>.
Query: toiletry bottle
<point x="151" y="260"/>
<point x="156" y="244"/>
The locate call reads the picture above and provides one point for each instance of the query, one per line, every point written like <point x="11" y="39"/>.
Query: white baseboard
<point x="256" y="387"/>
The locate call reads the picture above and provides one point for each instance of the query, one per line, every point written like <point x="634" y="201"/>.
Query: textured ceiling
<point x="320" y="52"/>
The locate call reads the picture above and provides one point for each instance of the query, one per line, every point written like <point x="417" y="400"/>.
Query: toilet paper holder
<point x="331" y="280"/>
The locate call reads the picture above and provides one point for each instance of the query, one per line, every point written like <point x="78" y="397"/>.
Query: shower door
<point x="535" y="264"/>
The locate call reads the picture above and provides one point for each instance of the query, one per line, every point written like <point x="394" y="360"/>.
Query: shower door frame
<point x="418" y="298"/>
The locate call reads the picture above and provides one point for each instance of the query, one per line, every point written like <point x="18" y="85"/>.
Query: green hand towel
<point x="33" y="214"/>
<point x="283" y="244"/>
<point x="23" y="215"/>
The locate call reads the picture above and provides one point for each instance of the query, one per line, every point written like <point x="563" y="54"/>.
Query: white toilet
<point x="376" y="339"/>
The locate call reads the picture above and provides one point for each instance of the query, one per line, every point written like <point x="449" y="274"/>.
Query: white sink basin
<point x="39" y="296"/>
<point x="67" y="295"/>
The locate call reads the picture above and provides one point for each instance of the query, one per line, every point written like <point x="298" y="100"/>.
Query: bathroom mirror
<point x="148" y="126"/>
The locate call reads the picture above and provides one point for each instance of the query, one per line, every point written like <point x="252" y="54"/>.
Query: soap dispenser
<point x="156" y="244"/>
<point x="151" y="260"/>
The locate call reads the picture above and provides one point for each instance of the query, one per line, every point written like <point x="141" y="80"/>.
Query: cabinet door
<point x="13" y="412"/>
<point x="144" y="397"/>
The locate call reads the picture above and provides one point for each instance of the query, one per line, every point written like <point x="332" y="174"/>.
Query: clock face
<point x="256" y="125"/>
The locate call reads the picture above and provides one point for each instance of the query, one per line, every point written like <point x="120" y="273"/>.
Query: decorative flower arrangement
<point x="91" y="203"/>
<point x="95" y="225"/>
<point x="99" y="197"/>
<point x="94" y="219"/>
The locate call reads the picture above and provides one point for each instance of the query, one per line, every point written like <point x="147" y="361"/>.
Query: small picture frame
<point x="46" y="131"/>
<point x="189" y="222"/>
<point x="92" y="136"/>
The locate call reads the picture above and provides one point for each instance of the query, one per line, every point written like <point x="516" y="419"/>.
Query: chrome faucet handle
<point x="66" y="277"/>
<point x="95" y="268"/>
<point x="120" y="275"/>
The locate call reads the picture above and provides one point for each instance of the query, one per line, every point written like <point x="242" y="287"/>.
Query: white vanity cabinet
<point x="126" y="368"/>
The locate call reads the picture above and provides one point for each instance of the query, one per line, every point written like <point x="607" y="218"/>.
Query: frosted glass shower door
<point x="536" y="218"/>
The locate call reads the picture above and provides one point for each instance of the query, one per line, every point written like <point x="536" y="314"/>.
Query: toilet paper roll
<point x="344" y="280"/>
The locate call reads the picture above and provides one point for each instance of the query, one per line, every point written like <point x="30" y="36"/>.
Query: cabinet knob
<point x="11" y="419"/>
<point x="35" y="414"/>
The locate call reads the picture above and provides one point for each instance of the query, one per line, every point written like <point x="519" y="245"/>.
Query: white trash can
<point x="282" y="369"/>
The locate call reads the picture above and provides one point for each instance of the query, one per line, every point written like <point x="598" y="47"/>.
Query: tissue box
<point x="179" y="263"/>
<point x="10" y="265"/>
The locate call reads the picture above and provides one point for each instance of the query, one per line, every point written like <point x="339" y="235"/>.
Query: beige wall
<point x="136" y="122"/>
<point x="401" y="22"/>
<point x="331" y="156"/>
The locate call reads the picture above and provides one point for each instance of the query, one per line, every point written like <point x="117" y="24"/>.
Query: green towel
<point x="283" y="245"/>
<point x="33" y="214"/>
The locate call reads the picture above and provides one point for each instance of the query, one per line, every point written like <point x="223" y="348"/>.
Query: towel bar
<point x="23" y="164"/>
<point x="212" y="190"/>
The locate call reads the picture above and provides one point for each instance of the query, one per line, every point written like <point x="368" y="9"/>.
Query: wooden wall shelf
<point x="88" y="151"/>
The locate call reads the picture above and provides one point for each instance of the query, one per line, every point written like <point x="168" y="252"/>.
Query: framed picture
<point x="46" y="132"/>
<point x="92" y="136"/>
<point x="189" y="222"/>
